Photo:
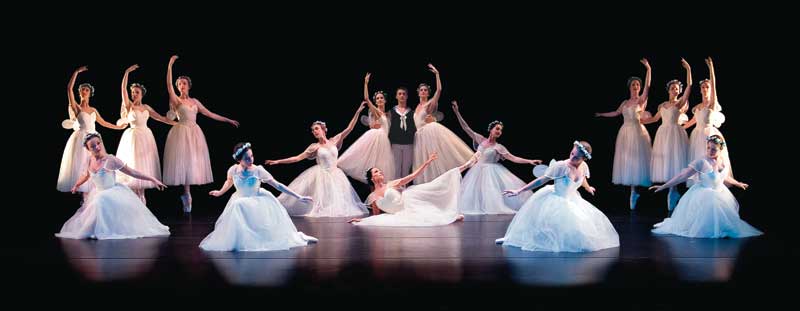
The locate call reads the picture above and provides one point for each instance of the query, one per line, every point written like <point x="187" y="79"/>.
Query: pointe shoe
<point x="634" y="199"/>
<point x="308" y="238"/>
<point x="186" y="199"/>
<point x="500" y="241"/>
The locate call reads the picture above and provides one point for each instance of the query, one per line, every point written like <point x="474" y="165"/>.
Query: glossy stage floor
<point x="454" y="265"/>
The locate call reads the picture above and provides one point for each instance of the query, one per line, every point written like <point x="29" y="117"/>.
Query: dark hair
<point x="188" y="80"/>
<point x="321" y="124"/>
<point x="88" y="86"/>
<point x="140" y="86"/>
<point x="369" y="177"/>
<point x="493" y="124"/>
<point x="238" y="156"/>
<point x="716" y="139"/>
<point x="631" y="79"/>
<point x="425" y="85"/>
<point x="89" y="136"/>
<point x="402" y="88"/>
<point x="675" y="81"/>
<point x="375" y="96"/>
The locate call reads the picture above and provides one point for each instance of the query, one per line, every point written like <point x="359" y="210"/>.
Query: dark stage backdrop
<point x="545" y="86"/>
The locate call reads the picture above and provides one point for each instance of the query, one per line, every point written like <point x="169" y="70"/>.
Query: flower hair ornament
<point x="88" y="86"/>
<point x="140" y="86"/>
<point x="240" y="150"/>
<point x="375" y="95"/>
<point x="675" y="81"/>
<point x="583" y="150"/>
<point x="716" y="139"/>
<point x="91" y="135"/>
<point x="493" y="124"/>
<point x="320" y="123"/>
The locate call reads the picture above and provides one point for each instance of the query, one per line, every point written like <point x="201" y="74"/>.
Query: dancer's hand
<point x="685" y="64"/>
<point x="433" y="69"/>
<point x="645" y="63"/>
<point x="535" y="162"/>
<point x="590" y="190"/>
<point x="354" y="220"/>
<point x="81" y="69"/>
<point x="742" y="185"/>
<point x="74" y="189"/>
<point x="455" y="106"/>
<point x="159" y="185"/>
<point x="132" y="68"/>
<point x="432" y="157"/>
<point x="271" y="162"/>
<point x="511" y="193"/>
<point x="172" y="59"/>
<point x="709" y="62"/>
<point x="215" y="193"/>
<point x="657" y="188"/>
<point x="234" y="122"/>
<point x="366" y="78"/>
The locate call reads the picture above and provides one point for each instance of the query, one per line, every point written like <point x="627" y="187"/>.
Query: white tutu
<point x="186" y="159"/>
<point x="707" y="210"/>
<point x="482" y="187"/>
<point x="430" y="204"/>
<point x="434" y="137"/>
<point x="253" y="219"/>
<point x="75" y="159"/>
<point x="112" y="211"/>
<point x="632" y="151"/>
<point x="670" y="148"/>
<point x="557" y="219"/>
<point x="326" y="184"/>
<point x="137" y="148"/>
<point x="372" y="149"/>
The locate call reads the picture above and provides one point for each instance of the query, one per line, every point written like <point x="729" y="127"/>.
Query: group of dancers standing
<point x="391" y="155"/>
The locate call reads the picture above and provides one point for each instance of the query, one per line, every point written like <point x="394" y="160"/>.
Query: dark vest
<point x="397" y="135"/>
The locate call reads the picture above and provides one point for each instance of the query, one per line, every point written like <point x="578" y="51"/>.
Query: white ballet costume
<point x="186" y="159"/>
<point x="430" y="204"/>
<point x="112" y="210"/>
<point x="708" y="209"/>
<point x="557" y="219"/>
<point x="434" y="137"/>
<point x="372" y="149"/>
<point x="707" y="124"/>
<point x="75" y="159"/>
<point x="482" y="187"/>
<point x="326" y="184"/>
<point x="253" y="219"/>
<point x="137" y="148"/>
<point x="632" y="150"/>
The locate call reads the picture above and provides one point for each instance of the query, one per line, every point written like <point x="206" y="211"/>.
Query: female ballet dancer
<point x="186" y="159"/>
<point x="671" y="145"/>
<point x="556" y="218"/>
<point x="81" y="120"/>
<point x="708" y="118"/>
<point x="112" y="210"/>
<point x="253" y="219"/>
<point x="632" y="150"/>
<point x="137" y="147"/>
<point x="432" y="137"/>
<point x="708" y="209"/>
<point x="482" y="187"/>
<point x="325" y="182"/>
<point x="373" y="148"/>
<point x="430" y="204"/>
